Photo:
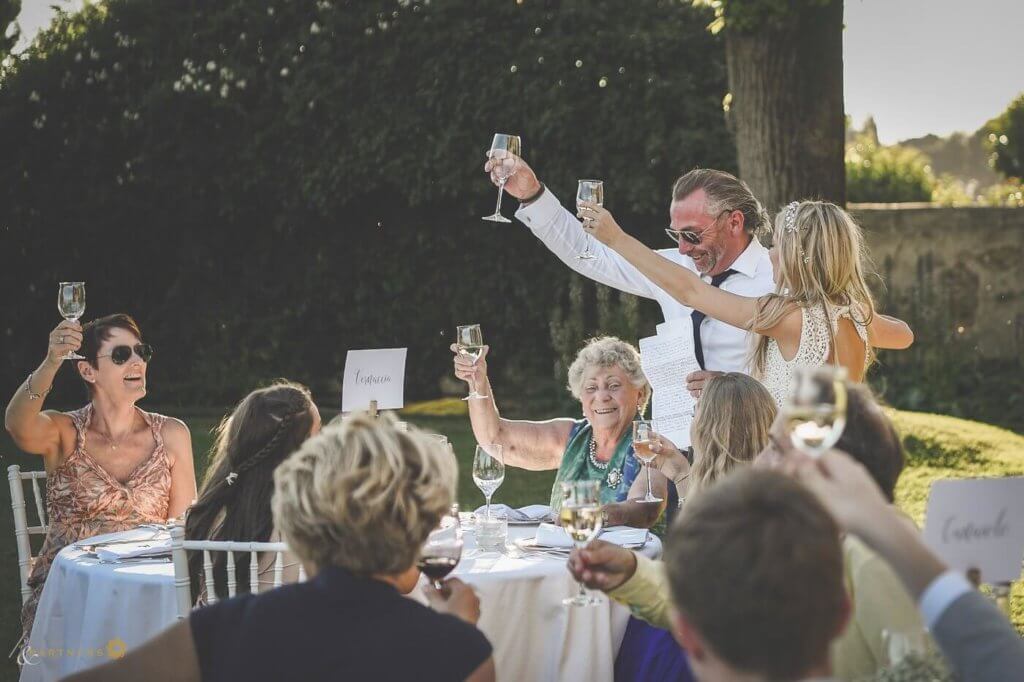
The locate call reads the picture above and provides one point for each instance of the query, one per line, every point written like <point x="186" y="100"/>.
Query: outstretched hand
<point x="468" y="370"/>
<point x="598" y="221"/>
<point x="521" y="182"/>
<point x="602" y="565"/>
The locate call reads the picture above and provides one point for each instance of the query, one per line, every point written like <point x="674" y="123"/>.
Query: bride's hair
<point x="822" y="262"/>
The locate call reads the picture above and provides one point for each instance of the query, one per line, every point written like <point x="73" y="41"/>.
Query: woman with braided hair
<point x="234" y="504"/>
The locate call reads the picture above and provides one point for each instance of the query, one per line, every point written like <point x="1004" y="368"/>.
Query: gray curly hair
<point x="363" y="495"/>
<point x="609" y="351"/>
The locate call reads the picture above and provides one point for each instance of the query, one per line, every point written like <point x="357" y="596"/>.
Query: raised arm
<point x="537" y="446"/>
<point x="32" y="429"/>
<point x="560" y="231"/>
<point x="889" y="332"/>
<point x="682" y="284"/>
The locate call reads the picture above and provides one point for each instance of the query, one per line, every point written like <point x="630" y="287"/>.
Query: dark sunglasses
<point x="122" y="354"/>
<point x="691" y="236"/>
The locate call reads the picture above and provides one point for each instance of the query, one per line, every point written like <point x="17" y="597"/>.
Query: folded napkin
<point x="550" y="535"/>
<point x="532" y="513"/>
<point x="161" y="546"/>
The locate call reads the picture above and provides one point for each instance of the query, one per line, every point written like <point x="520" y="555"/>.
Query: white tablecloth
<point x="90" y="610"/>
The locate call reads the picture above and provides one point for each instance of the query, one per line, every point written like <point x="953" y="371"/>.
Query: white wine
<point x="581" y="522"/>
<point x="815" y="429"/>
<point x="642" y="450"/>
<point x="471" y="352"/>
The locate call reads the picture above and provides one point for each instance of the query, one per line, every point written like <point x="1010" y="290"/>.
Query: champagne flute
<point x="592" y="191"/>
<point x="441" y="552"/>
<point x="506" y="149"/>
<point x="582" y="519"/>
<point x="470" y="341"/>
<point x="488" y="471"/>
<point x="642" y="429"/>
<point x="71" y="305"/>
<point x="815" y="410"/>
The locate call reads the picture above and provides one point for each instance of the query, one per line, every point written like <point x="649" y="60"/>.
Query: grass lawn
<point x="937" y="447"/>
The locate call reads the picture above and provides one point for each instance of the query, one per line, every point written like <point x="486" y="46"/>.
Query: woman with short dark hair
<point x="109" y="465"/>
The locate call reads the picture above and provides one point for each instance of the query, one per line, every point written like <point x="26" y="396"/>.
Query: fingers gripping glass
<point x="815" y="410"/>
<point x="122" y="354"/>
<point x="505" y="150"/>
<point x="469" y="339"/>
<point x="71" y="306"/>
<point x="592" y="191"/>
<point x="642" y="442"/>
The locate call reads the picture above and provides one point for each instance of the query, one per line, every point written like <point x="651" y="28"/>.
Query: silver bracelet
<point x="32" y="395"/>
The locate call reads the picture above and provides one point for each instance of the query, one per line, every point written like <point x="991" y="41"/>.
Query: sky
<point x="917" y="66"/>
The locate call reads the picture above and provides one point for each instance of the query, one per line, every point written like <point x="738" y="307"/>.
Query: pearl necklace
<point x="593" y="456"/>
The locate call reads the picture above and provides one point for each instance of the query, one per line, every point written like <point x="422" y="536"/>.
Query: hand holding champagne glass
<point x="71" y="305"/>
<point x="505" y="150"/>
<point x="582" y="519"/>
<point x="593" y="192"/>
<point x="642" y="440"/>
<point x="469" y="339"/>
<point x="488" y="471"/>
<point x="815" y="410"/>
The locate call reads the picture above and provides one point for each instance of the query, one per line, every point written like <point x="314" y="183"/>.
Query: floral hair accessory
<point x="790" y="217"/>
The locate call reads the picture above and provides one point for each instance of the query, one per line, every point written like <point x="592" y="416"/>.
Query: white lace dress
<point x="813" y="351"/>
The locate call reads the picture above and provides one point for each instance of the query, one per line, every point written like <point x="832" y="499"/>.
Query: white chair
<point x="22" y="530"/>
<point x="179" y="554"/>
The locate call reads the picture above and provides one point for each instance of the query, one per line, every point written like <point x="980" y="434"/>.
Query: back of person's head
<point x="363" y="495"/>
<point x="870" y="438"/>
<point x="723" y="192"/>
<point x="822" y="262"/>
<point x="730" y="427"/>
<point x="234" y="503"/>
<point x="756" y="573"/>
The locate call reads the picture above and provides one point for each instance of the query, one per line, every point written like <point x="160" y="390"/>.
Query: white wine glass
<point x="442" y="551"/>
<point x="488" y="471"/>
<point x="581" y="519"/>
<point x="506" y="150"/>
<point x="592" y="191"/>
<point x="469" y="340"/>
<point x="71" y="305"/>
<point x="642" y="430"/>
<point x="815" y="410"/>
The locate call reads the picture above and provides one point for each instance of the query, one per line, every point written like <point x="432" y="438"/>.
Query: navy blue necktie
<point x="698" y="317"/>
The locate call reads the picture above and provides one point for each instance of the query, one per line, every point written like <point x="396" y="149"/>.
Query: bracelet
<point x="533" y="197"/>
<point x="32" y="395"/>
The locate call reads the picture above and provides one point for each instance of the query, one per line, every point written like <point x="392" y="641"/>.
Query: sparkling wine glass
<point x="505" y="149"/>
<point x="582" y="519"/>
<point x="71" y="304"/>
<point x="642" y="429"/>
<point x="592" y="191"/>
<point x="488" y="471"/>
<point x="441" y="552"/>
<point x="470" y="341"/>
<point x="815" y="410"/>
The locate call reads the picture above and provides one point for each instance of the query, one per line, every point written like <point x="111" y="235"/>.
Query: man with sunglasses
<point x="714" y="221"/>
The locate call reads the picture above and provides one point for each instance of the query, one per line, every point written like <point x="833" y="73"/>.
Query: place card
<point x="978" y="524"/>
<point x="376" y="374"/>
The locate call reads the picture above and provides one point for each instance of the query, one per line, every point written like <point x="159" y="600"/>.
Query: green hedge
<point x="268" y="185"/>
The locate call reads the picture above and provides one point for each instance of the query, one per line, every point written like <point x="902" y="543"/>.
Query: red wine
<point x="437" y="567"/>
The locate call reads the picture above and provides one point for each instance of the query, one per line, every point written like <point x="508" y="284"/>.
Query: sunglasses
<point x="122" y="354"/>
<point x="690" y="236"/>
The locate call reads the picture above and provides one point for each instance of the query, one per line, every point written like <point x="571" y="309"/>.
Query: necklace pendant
<point x="614" y="478"/>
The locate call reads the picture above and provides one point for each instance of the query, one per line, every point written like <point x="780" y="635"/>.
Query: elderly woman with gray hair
<point x="607" y="379"/>
<point x="355" y="504"/>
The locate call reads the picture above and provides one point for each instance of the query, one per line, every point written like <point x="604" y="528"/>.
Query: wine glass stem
<point x="497" y="207"/>
<point x="488" y="507"/>
<point x="582" y="594"/>
<point x="586" y="249"/>
<point x="649" y="493"/>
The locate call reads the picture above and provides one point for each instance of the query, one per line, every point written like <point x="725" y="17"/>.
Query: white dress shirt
<point x="939" y="594"/>
<point x="726" y="348"/>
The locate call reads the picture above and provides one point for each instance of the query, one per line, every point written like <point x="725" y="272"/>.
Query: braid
<point x="282" y="431"/>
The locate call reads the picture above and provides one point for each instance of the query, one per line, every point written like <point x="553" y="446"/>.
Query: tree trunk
<point x="787" y="106"/>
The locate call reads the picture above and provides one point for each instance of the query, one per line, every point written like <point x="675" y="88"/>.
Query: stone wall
<point x="956" y="274"/>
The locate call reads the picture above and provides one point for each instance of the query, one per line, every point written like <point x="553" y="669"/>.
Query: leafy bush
<point x="877" y="174"/>
<point x="268" y="185"/>
<point x="1006" y="140"/>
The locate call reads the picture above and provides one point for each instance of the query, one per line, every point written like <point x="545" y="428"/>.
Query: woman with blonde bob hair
<point x="821" y="311"/>
<point x="355" y="503"/>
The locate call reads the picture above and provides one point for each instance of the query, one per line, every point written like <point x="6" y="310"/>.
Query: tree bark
<point x="787" y="106"/>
